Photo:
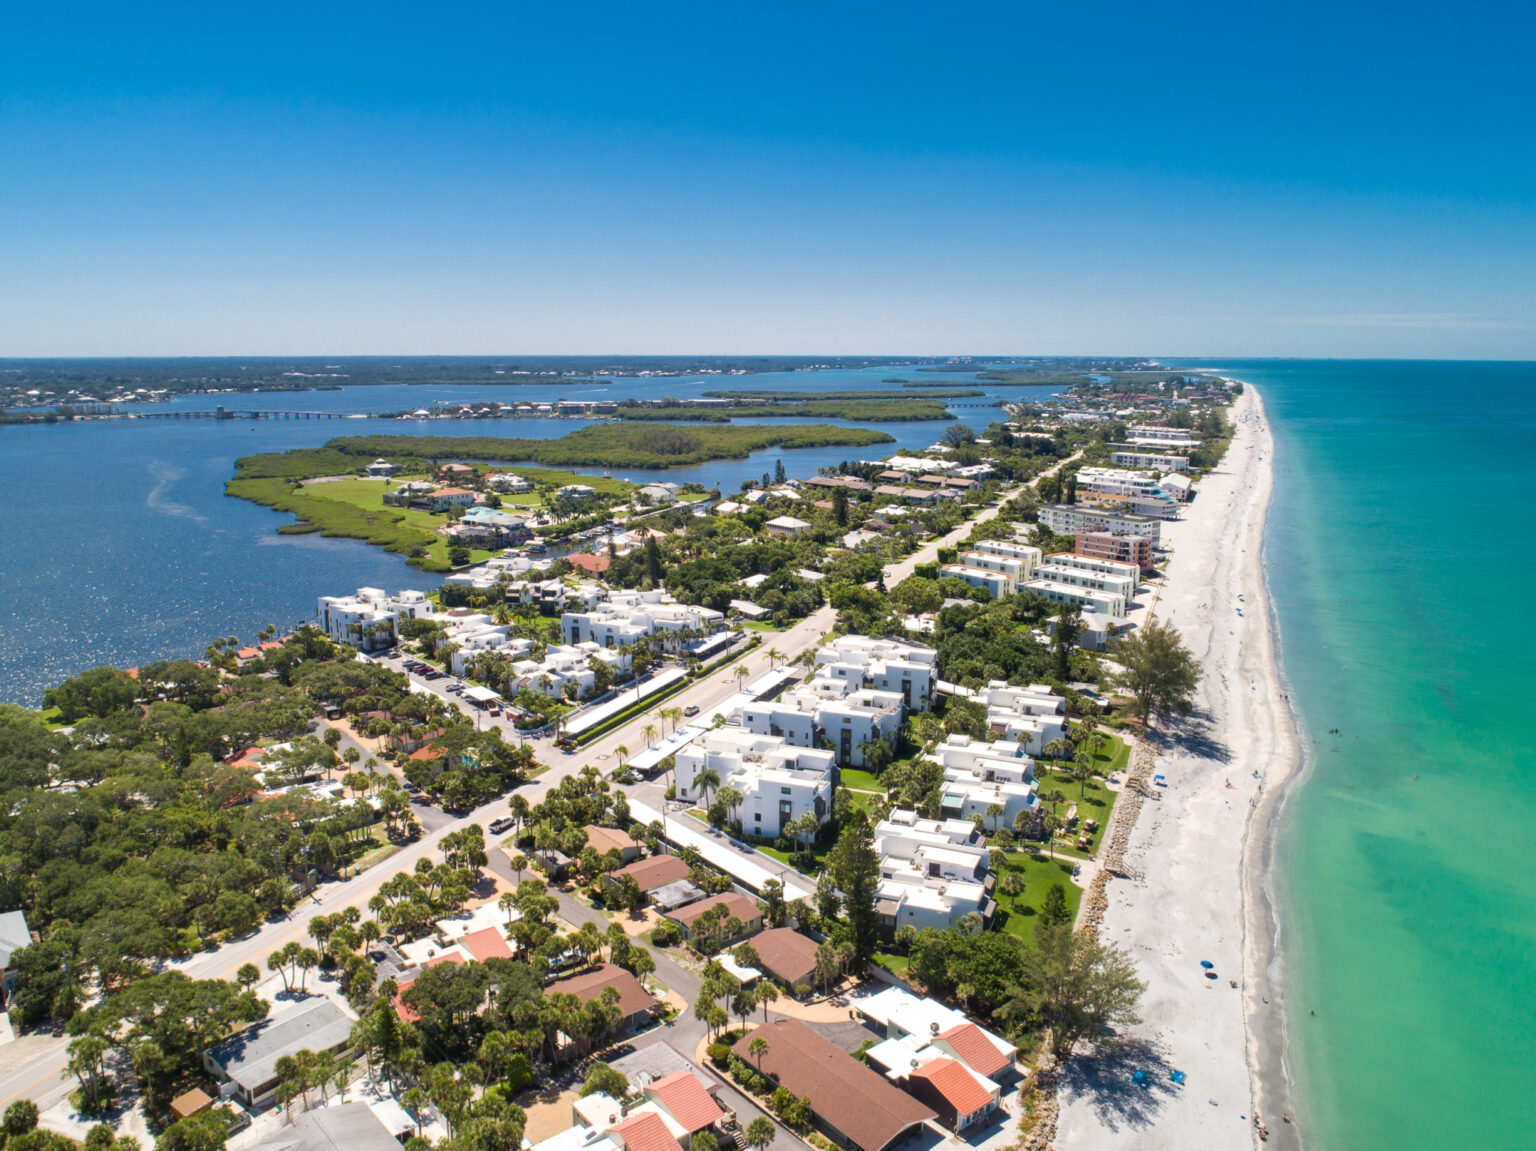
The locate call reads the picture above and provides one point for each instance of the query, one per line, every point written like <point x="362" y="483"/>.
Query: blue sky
<point x="1194" y="179"/>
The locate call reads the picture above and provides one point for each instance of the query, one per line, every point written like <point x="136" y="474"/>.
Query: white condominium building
<point x="892" y="665"/>
<point x="981" y="776"/>
<point x="1115" y="583"/>
<point x="629" y="615"/>
<point x="1157" y="432"/>
<point x="1157" y="461"/>
<point x="370" y="619"/>
<point x="997" y="584"/>
<point x="1072" y="519"/>
<point x="932" y="872"/>
<point x="999" y="574"/>
<point x="1116" y="482"/>
<point x="1097" y="566"/>
<point x="1088" y="599"/>
<point x="1026" y="554"/>
<point x="778" y="783"/>
<point x="1030" y="716"/>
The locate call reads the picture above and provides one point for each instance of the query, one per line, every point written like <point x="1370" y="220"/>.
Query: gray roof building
<point x="348" y="1127"/>
<point x="249" y="1059"/>
<point x="14" y="935"/>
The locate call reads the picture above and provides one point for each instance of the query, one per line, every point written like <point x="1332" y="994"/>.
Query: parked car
<point x="502" y="825"/>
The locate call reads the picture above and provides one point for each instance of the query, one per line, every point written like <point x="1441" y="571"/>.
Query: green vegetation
<point x="940" y="390"/>
<point x="1017" y="914"/>
<point x="354" y="509"/>
<point x="904" y="410"/>
<point x="613" y="445"/>
<point x="1159" y="669"/>
<point x="861" y="780"/>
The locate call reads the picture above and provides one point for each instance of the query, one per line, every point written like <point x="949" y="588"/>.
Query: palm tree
<point x="649" y="731"/>
<point x="621" y="751"/>
<point x="995" y="811"/>
<point x="774" y="655"/>
<point x="705" y="782"/>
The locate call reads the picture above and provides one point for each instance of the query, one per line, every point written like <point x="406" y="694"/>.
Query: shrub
<point x="20" y="1117"/>
<point x="719" y="1054"/>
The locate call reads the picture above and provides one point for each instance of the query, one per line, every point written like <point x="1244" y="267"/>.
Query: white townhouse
<point x="1030" y="716"/>
<point x="932" y="873"/>
<point x="778" y="783"/>
<point x="626" y="616"/>
<point x="370" y="619"/>
<point x="979" y="776"/>
<point x="892" y="665"/>
<point x="830" y="711"/>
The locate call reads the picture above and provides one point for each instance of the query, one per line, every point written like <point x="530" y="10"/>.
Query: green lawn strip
<point x="1017" y="916"/>
<point x="895" y="964"/>
<point x="858" y="780"/>
<point x="757" y="626"/>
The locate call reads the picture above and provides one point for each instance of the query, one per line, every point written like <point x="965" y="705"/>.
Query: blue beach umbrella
<point x="1207" y="964"/>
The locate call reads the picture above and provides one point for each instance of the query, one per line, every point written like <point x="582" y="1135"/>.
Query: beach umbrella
<point x="1207" y="964"/>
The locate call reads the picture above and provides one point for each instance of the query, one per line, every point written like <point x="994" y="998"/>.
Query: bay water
<point x="119" y="546"/>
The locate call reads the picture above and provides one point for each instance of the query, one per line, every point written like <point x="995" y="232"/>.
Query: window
<point x="783" y="791"/>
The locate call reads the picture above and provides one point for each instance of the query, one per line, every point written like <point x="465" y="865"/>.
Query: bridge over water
<point x="223" y="413"/>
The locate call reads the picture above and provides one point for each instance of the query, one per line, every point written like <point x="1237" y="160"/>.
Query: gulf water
<point x="1401" y="550"/>
<point x="120" y="547"/>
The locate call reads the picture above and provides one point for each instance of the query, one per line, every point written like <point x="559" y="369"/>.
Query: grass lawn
<point x="50" y="716"/>
<point x="369" y="495"/>
<point x="861" y="780"/>
<point x="758" y="626"/>
<point x="1095" y="802"/>
<point x="861" y="799"/>
<point x="1017" y="916"/>
<point x="895" y="964"/>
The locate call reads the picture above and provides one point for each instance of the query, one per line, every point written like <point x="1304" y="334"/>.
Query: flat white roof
<point x="753" y="869"/>
<point x="625" y="699"/>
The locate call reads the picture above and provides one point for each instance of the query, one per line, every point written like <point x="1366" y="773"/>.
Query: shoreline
<point x="1200" y="858"/>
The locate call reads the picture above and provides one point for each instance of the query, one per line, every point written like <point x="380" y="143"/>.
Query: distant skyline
<point x="1197" y="180"/>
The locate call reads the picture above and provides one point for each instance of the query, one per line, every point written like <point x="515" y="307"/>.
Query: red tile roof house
<point x="646" y="1131"/>
<point x="787" y="956"/>
<point x="736" y="906"/>
<point x="637" y="1004"/>
<point x="856" y="1106"/>
<point x="683" y="1097"/>
<point x="657" y="871"/>
<point x="606" y="839"/>
<point x="952" y="1090"/>
<point x="969" y="1044"/>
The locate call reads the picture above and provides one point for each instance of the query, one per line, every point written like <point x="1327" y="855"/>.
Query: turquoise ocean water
<point x="1401" y="545"/>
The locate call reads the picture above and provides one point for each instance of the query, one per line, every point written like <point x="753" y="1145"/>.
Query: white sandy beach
<point x="1198" y="887"/>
